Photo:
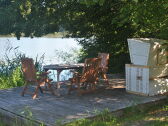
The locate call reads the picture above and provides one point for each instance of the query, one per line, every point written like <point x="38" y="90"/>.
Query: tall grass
<point x="10" y="74"/>
<point x="10" y="68"/>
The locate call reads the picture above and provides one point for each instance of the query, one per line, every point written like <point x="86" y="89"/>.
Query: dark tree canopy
<point x="34" y="17"/>
<point x="101" y="25"/>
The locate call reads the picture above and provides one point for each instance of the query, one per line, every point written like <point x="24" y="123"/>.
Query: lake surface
<point x="39" y="46"/>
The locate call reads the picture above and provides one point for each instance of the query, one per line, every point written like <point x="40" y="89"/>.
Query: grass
<point x="134" y="116"/>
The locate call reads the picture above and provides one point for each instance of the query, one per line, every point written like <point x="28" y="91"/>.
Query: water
<point x="40" y="46"/>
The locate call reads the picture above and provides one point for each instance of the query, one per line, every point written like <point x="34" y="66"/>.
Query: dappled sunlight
<point x="117" y="83"/>
<point x="77" y="116"/>
<point x="159" y="85"/>
<point x="156" y="118"/>
<point x="103" y="100"/>
<point x="156" y="45"/>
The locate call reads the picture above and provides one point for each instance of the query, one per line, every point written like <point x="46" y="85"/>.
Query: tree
<point x="33" y="17"/>
<point x="101" y="25"/>
<point x="106" y="28"/>
<point x="27" y="18"/>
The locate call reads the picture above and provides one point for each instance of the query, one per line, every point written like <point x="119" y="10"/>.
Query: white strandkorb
<point x="147" y="73"/>
<point x="149" y="52"/>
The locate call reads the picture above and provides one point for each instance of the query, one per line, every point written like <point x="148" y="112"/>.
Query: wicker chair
<point x="86" y="82"/>
<point x="31" y="77"/>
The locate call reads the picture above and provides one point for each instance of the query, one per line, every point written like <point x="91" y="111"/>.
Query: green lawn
<point x="133" y="116"/>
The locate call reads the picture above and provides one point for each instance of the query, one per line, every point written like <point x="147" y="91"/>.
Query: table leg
<point x="58" y="82"/>
<point x="58" y="78"/>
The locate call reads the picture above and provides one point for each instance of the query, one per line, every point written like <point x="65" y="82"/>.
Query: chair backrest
<point x="91" y="70"/>
<point x="28" y="69"/>
<point x="104" y="59"/>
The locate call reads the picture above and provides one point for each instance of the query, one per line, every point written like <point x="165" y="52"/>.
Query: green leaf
<point x="165" y="5"/>
<point x="135" y="1"/>
<point x="101" y="2"/>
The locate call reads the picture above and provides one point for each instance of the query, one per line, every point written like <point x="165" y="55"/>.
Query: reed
<point x="10" y="68"/>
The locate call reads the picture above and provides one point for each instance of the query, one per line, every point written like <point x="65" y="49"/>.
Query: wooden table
<point x="61" y="67"/>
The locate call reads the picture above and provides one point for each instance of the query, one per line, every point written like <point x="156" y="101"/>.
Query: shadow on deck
<point x="50" y="109"/>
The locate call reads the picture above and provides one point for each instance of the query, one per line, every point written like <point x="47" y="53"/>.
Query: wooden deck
<point x="65" y="108"/>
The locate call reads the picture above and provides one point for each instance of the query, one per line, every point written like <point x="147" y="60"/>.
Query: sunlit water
<point x="40" y="46"/>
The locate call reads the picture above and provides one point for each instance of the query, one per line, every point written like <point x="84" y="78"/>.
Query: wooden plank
<point x="133" y="65"/>
<point x="138" y="93"/>
<point x="63" y="66"/>
<point x="139" y="51"/>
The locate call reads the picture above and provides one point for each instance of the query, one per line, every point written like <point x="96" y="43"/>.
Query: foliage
<point x="68" y="57"/>
<point x="100" y="30"/>
<point x="101" y="25"/>
<point x="28" y="17"/>
<point x="39" y="61"/>
<point x="149" y="18"/>
<point x="91" y="2"/>
<point x="13" y="80"/>
<point x="33" y="18"/>
<point x="106" y="28"/>
<point x="10" y="68"/>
